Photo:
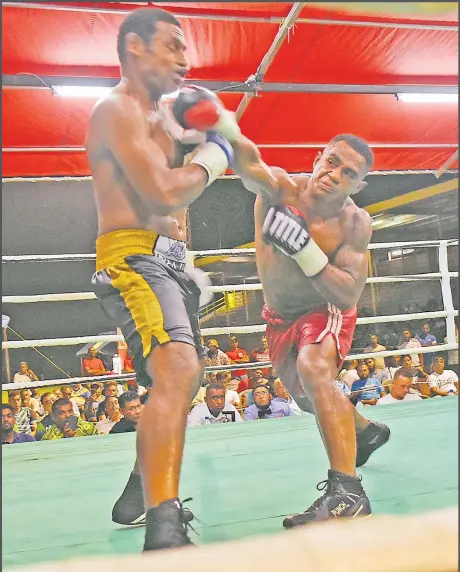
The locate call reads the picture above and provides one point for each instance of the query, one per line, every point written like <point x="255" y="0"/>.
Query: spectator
<point x="283" y="396"/>
<point x="25" y="419"/>
<point x="133" y="386"/>
<point x="79" y="395"/>
<point x="214" y="409"/>
<point x="255" y="377"/>
<point x="381" y="374"/>
<point x="25" y="373"/>
<point x="215" y="356"/>
<point x="366" y="390"/>
<point x="376" y="347"/>
<point x="47" y="400"/>
<point x="238" y="355"/>
<point x="113" y="389"/>
<point x="62" y="427"/>
<point x="343" y="387"/>
<point x="9" y="435"/>
<point x="392" y="364"/>
<point x="128" y="366"/>
<point x="32" y="403"/>
<point x="442" y="381"/>
<point x="67" y="392"/>
<point x="261" y="354"/>
<point x="452" y="355"/>
<point x="108" y="414"/>
<point x="419" y="378"/>
<point x="92" y="365"/>
<point x="399" y="390"/>
<point x="92" y="404"/>
<point x="264" y="407"/>
<point x="427" y="339"/>
<point x="410" y="342"/>
<point x="131" y="408"/>
<point x="231" y="396"/>
<point x="349" y="374"/>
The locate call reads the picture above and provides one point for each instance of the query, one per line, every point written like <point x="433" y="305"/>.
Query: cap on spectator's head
<point x="213" y="343"/>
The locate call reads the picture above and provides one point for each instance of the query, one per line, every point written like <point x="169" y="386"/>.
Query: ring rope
<point x="252" y="365"/>
<point x="257" y="328"/>
<point x="75" y="296"/>
<point x="218" y="252"/>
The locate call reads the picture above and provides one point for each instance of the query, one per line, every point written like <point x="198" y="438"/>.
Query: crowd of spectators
<point x="241" y="394"/>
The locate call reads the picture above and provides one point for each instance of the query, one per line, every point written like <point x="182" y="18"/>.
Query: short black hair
<point x="356" y="143"/>
<point x="403" y="372"/>
<point x="60" y="403"/>
<point x="215" y="387"/>
<point x="142" y="22"/>
<point x="127" y="397"/>
<point x="220" y="376"/>
<point x="7" y="406"/>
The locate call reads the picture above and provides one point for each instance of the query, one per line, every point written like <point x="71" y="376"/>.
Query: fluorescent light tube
<point x="428" y="97"/>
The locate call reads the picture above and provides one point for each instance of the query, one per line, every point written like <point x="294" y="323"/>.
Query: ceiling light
<point x="80" y="90"/>
<point x="428" y="97"/>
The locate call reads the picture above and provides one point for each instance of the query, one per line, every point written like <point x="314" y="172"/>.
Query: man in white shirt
<point x="442" y="381"/>
<point x="349" y="374"/>
<point x="410" y="342"/>
<point x="399" y="391"/>
<point x="214" y="409"/>
<point x="231" y="396"/>
<point x="376" y="347"/>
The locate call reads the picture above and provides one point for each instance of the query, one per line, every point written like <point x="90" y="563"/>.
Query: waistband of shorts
<point x="113" y="247"/>
<point x="274" y="319"/>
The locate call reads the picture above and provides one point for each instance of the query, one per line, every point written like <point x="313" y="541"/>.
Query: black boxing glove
<point x="198" y="108"/>
<point x="289" y="233"/>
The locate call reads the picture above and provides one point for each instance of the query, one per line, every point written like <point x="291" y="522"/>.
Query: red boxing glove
<point x="198" y="108"/>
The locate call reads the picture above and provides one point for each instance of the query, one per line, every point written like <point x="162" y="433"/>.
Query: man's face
<point x="15" y="401"/>
<point x="92" y="352"/>
<point x="262" y="397"/>
<point x="26" y="394"/>
<point x="112" y="406"/>
<point x="227" y="378"/>
<point x="8" y="420"/>
<point x="61" y="415"/>
<point x="111" y="391"/>
<point x="407" y="335"/>
<point x="212" y="348"/>
<point x="426" y="328"/>
<point x="161" y="64"/>
<point x="24" y="368"/>
<point x="215" y="400"/>
<point x="407" y="361"/>
<point x="234" y="343"/>
<point x="95" y="390"/>
<point x="66" y="392"/>
<point x="363" y="371"/>
<point x="338" y="172"/>
<point x="263" y="339"/>
<point x="132" y="411"/>
<point x="48" y="401"/>
<point x="374" y="340"/>
<point x="400" y="387"/>
<point x="439" y="365"/>
<point x="370" y="362"/>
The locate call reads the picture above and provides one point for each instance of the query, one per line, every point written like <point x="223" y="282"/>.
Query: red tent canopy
<point x="356" y="59"/>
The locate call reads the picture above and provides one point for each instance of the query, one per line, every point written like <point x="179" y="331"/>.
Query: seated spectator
<point x="214" y="409"/>
<point x="215" y="356"/>
<point x="30" y="402"/>
<point x="79" y="395"/>
<point x="131" y="408"/>
<point x="261" y="354"/>
<point x="108" y="414"/>
<point x="343" y="387"/>
<point x="419" y="385"/>
<point x="238" y="355"/>
<point x="442" y="381"/>
<point x="399" y="389"/>
<point x="392" y="364"/>
<point x="92" y="404"/>
<point x="376" y="347"/>
<point x="64" y="426"/>
<point x="92" y="365"/>
<point x="349" y="374"/>
<point x="26" y="421"/>
<point x="452" y="355"/>
<point x="283" y="396"/>
<point x="231" y="396"/>
<point x="233" y="383"/>
<point x="113" y="389"/>
<point x="255" y="377"/>
<point x="133" y="386"/>
<point x="25" y="373"/>
<point x="47" y="400"/>
<point x="381" y="374"/>
<point x="264" y="407"/>
<point x="9" y="435"/>
<point x="410" y="342"/>
<point x="67" y="392"/>
<point x="426" y="339"/>
<point x="366" y="390"/>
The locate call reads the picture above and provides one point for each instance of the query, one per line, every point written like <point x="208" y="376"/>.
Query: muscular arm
<point x="141" y="160"/>
<point x="343" y="279"/>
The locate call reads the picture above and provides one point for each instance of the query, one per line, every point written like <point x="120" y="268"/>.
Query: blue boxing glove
<point x="289" y="233"/>
<point x="215" y="156"/>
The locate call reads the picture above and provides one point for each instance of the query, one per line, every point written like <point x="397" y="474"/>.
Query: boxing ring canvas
<point x="58" y="495"/>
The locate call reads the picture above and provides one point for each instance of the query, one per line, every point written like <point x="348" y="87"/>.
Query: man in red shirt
<point x="238" y="355"/>
<point x="261" y="354"/>
<point x="92" y="365"/>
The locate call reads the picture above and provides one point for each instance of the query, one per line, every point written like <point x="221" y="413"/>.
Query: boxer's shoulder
<point x="358" y="223"/>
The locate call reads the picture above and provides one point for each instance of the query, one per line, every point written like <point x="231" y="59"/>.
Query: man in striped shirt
<point x="26" y="419"/>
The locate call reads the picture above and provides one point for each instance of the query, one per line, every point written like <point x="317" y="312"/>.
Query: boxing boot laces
<point x="167" y="525"/>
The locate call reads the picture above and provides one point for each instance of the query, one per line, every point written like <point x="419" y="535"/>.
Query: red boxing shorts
<point x="285" y="339"/>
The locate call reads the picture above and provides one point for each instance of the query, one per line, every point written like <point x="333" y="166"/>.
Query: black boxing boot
<point x="374" y="436"/>
<point x="344" y="497"/>
<point x="167" y="526"/>
<point x="130" y="507"/>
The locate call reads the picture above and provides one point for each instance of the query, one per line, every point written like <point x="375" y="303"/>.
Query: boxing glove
<point x="198" y="108"/>
<point x="289" y="233"/>
<point x="215" y="156"/>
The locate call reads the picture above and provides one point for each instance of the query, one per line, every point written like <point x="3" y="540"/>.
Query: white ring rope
<point x="246" y="366"/>
<point x="219" y="252"/>
<point x="258" y="328"/>
<point x="75" y="296"/>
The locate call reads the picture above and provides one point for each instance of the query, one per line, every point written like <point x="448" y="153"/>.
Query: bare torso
<point x="286" y="288"/>
<point x="118" y="205"/>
